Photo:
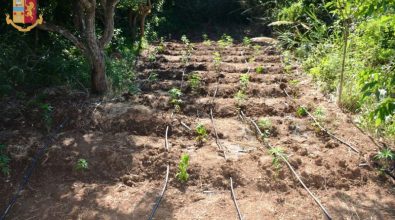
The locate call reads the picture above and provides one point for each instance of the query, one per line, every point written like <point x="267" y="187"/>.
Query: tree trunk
<point x="98" y="74"/>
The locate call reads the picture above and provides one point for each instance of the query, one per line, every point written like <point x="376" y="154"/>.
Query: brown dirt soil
<point x="123" y="141"/>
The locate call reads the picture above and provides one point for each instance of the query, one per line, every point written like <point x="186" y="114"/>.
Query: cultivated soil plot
<point x="124" y="143"/>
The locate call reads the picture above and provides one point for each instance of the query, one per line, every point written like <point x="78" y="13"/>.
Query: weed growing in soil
<point x="294" y="82"/>
<point x="319" y="113"/>
<point x="153" y="77"/>
<point x="185" y="40"/>
<point x="4" y="161"/>
<point x="225" y="41"/>
<point x="257" y="49"/>
<point x="386" y="158"/>
<point x="47" y="110"/>
<point x="161" y="47"/>
<point x="201" y="132"/>
<point x="194" y="81"/>
<point x="301" y="112"/>
<point x="244" y="80"/>
<point x="265" y="125"/>
<point x="206" y="41"/>
<point x="240" y="97"/>
<point x="81" y="165"/>
<point x="182" y="174"/>
<point x="246" y="41"/>
<point x="277" y="153"/>
<point x="260" y="69"/>
<point x="217" y="60"/>
<point x="175" y="100"/>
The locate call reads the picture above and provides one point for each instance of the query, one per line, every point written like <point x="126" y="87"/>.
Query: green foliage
<point x="314" y="31"/>
<point x="244" y="81"/>
<point x="206" y="41"/>
<point x="82" y="165"/>
<point x="319" y="113"/>
<point x="4" y="161"/>
<point x="225" y="41"/>
<point x="259" y="69"/>
<point x="153" y="77"/>
<point x="217" y="59"/>
<point x="240" y="96"/>
<point x="265" y="125"/>
<point x="183" y="165"/>
<point x="194" y="81"/>
<point x="121" y="74"/>
<point x="301" y="112"/>
<point x="277" y="153"/>
<point x="386" y="159"/>
<point x="247" y="41"/>
<point x="385" y="154"/>
<point x="201" y="133"/>
<point x="175" y="98"/>
<point x="294" y="82"/>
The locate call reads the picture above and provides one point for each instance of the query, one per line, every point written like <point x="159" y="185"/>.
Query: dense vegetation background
<point x="328" y="38"/>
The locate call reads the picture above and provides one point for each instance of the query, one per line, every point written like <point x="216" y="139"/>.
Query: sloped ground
<point x="123" y="141"/>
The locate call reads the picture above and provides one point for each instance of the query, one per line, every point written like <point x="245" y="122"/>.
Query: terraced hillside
<point x="131" y="142"/>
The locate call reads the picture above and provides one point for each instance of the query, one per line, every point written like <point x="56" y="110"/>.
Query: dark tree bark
<point x="87" y="41"/>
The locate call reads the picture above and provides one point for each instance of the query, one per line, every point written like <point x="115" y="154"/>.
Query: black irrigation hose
<point x="324" y="129"/>
<point x="161" y="195"/>
<point x="317" y="201"/>
<point x="234" y="200"/>
<point x="159" y="200"/>
<point x="29" y="171"/>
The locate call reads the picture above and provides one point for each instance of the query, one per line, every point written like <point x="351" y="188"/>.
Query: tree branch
<point x="65" y="33"/>
<point x="109" y="14"/>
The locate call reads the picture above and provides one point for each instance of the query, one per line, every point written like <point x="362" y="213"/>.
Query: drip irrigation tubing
<point x="324" y="129"/>
<point x="235" y="200"/>
<point x="317" y="201"/>
<point x="29" y="171"/>
<point x="220" y="147"/>
<point x="162" y="194"/>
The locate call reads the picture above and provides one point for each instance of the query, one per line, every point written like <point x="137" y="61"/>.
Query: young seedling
<point x="217" y="60"/>
<point x="244" y="80"/>
<point x="153" y="77"/>
<point x="182" y="174"/>
<point x="185" y="40"/>
<point x="225" y="41"/>
<point x="161" y="47"/>
<point x="194" y="81"/>
<point x="277" y="153"/>
<point x="301" y="112"/>
<point x="260" y="69"/>
<point x="265" y="125"/>
<point x="240" y="97"/>
<point x="319" y="113"/>
<point x="4" y="161"/>
<point x="175" y="98"/>
<point x="81" y="165"/>
<point x="201" y="133"/>
<point x="257" y="49"/>
<point x="206" y="41"/>
<point x="294" y="82"/>
<point x="246" y="41"/>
